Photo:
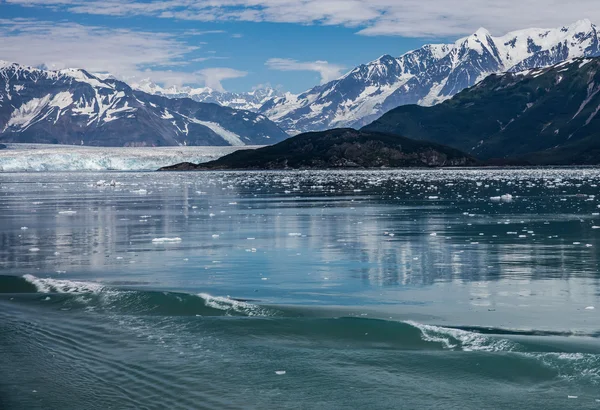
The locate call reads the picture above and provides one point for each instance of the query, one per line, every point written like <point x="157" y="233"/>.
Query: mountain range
<point x="541" y="116"/>
<point x="426" y="76"/>
<point x="72" y="106"/>
<point x="249" y="101"/>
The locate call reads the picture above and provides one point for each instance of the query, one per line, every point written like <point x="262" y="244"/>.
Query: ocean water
<point x="420" y="289"/>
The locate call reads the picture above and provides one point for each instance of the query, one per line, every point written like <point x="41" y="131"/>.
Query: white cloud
<point x="212" y="77"/>
<point x="326" y="70"/>
<point x="411" y="18"/>
<point x="202" y="32"/>
<point x="123" y="53"/>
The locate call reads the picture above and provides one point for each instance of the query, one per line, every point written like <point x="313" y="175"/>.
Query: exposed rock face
<point x="339" y="148"/>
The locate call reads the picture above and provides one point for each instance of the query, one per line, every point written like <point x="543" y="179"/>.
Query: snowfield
<point x="41" y="157"/>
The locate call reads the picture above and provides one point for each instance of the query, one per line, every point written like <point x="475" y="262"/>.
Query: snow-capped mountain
<point x="547" y="115"/>
<point x="250" y="101"/>
<point x="427" y="76"/>
<point x="73" y="106"/>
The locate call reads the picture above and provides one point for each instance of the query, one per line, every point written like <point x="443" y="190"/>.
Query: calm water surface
<point x="442" y="289"/>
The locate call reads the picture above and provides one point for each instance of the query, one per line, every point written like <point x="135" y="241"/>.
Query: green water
<point x="308" y="290"/>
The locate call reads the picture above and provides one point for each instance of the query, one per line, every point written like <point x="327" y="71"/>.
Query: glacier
<point x="46" y="157"/>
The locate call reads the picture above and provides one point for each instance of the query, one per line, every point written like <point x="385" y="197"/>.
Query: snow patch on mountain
<point x="27" y="113"/>
<point x="231" y="137"/>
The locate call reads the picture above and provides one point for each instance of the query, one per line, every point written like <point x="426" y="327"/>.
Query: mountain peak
<point x="583" y="25"/>
<point x="482" y="33"/>
<point x="386" y="58"/>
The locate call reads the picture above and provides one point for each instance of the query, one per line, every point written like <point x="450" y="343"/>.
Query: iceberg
<point x="47" y="157"/>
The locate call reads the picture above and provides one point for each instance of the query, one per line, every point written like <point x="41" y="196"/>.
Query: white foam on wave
<point x="228" y="305"/>
<point x="571" y="366"/>
<point x="48" y="285"/>
<point x="461" y="339"/>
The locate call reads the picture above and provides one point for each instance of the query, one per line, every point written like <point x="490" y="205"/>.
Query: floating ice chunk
<point x="67" y="212"/>
<point x="24" y="228"/>
<point x="434" y="197"/>
<point x="104" y="183"/>
<point x="506" y="197"/>
<point x="496" y="198"/>
<point x="215" y="236"/>
<point x="590" y="308"/>
<point x="294" y="234"/>
<point x="433" y="234"/>
<point x="140" y="192"/>
<point x="573" y="397"/>
<point x="280" y="372"/>
<point x="165" y="240"/>
<point x="34" y="250"/>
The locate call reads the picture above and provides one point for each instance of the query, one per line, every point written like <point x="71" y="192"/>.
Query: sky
<point x="240" y="45"/>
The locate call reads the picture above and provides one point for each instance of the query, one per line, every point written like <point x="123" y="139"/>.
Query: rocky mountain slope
<point x="339" y="148"/>
<point x="75" y="107"/>
<point x="427" y="76"/>
<point x="543" y="116"/>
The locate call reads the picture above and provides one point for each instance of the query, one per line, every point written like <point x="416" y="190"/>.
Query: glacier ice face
<point x="40" y="157"/>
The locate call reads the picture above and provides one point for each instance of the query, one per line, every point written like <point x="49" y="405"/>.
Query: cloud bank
<point x="326" y="70"/>
<point x="125" y="53"/>
<point x="409" y="18"/>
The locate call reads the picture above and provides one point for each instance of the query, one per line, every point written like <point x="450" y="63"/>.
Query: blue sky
<point x="241" y="44"/>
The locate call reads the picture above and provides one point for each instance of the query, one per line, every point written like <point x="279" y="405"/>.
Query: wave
<point x="91" y="296"/>
<point x="291" y="323"/>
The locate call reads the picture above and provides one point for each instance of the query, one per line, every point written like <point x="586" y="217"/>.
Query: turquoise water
<point x="463" y="289"/>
